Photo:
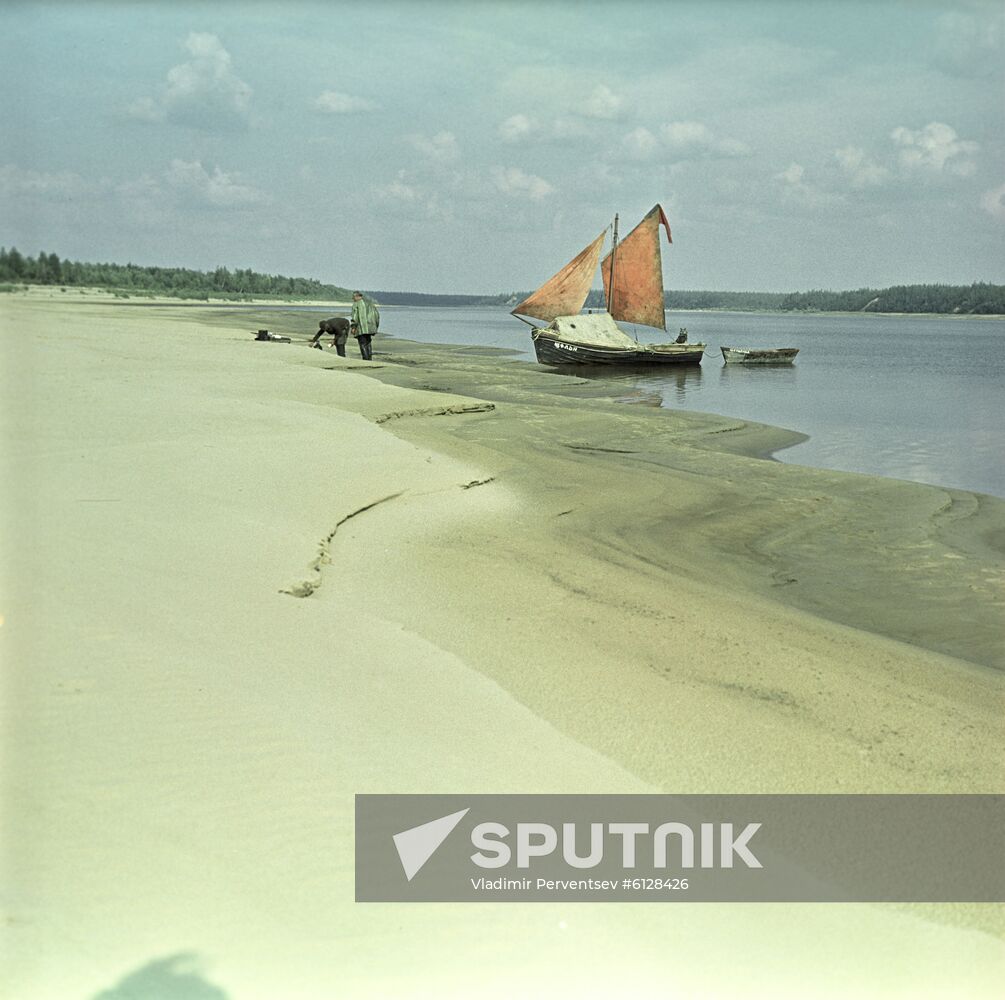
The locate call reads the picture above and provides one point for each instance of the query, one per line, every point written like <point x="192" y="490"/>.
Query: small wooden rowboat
<point x="768" y="356"/>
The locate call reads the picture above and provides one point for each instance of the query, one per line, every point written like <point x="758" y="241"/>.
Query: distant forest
<point x="124" y="280"/>
<point x="979" y="298"/>
<point x="179" y="282"/>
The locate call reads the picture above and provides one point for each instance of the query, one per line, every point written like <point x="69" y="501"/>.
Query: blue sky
<point x="477" y="146"/>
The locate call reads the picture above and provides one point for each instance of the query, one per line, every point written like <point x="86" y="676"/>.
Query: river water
<point x="911" y="397"/>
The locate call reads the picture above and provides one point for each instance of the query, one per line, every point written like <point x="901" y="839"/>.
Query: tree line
<point x="179" y="282"/>
<point x="979" y="298"/>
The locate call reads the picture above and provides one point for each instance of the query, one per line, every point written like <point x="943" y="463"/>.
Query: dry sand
<point x="245" y="581"/>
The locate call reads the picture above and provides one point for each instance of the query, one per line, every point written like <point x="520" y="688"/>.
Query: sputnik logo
<point x="417" y="845"/>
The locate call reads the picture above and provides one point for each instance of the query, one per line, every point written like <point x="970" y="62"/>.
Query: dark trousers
<point x="365" y="346"/>
<point x="338" y="343"/>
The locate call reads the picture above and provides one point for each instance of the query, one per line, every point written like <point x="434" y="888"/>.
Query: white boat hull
<point x="768" y="356"/>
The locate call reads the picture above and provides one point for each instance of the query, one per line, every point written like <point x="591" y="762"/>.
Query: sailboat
<point x="633" y="291"/>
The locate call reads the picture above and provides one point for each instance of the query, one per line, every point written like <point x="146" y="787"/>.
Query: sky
<point x="475" y="147"/>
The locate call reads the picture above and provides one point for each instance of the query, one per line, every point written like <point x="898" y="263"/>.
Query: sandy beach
<point x="245" y="581"/>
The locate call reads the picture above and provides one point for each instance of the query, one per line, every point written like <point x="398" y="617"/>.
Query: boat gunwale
<point x="688" y="348"/>
<point x="758" y="355"/>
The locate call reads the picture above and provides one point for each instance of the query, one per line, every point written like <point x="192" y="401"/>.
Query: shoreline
<point x="73" y="295"/>
<point x="821" y="541"/>
<point x="244" y="582"/>
<point x="859" y="529"/>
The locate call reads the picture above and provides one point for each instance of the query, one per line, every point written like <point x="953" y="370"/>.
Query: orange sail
<point x="636" y="293"/>
<point x="564" y="293"/>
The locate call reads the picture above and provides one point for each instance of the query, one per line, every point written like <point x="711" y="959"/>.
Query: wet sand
<point x="245" y="581"/>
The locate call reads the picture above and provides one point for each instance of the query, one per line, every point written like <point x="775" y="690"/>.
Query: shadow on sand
<point x="177" y="977"/>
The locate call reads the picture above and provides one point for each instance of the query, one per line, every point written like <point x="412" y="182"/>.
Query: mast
<point x="614" y="250"/>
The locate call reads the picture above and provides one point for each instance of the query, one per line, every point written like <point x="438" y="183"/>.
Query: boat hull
<point x="555" y="351"/>
<point x="774" y="356"/>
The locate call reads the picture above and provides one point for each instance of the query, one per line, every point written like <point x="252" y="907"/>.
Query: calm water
<point x="918" y="398"/>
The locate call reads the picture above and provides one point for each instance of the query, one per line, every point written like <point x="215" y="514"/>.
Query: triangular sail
<point x="564" y="293"/>
<point x="637" y="295"/>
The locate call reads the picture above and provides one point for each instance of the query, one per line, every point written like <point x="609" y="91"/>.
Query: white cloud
<point x="731" y="148"/>
<point x="683" y="135"/>
<point x="603" y="103"/>
<point x="334" y="102"/>
<point x="860" y="168"/>
<point x="441" y="148"/>
<point x="188" y="184"/>
<point x="203" y="93"/>
<point x="521" y="128"/>
<point x="792" y="174"/>
<point x="936" y="148"/>
<point x="217" y="189"/>
<point x="513" y="181"/>
<point x="146" y="201"/>
<point x="799" y="192"/>
<point x="680" y="141"/>
<point x="517" y="128"/>
<point x="796" y="189"/>
<point x="146" y="109"/>
<point x="143" y="187"/>
<point x="403" y="195"/>
<point x="970" y="43"/>
<point x="571" y="128"/>
<point x="694" y="139"/>
<point x="993" y="202"/>
<point x="397" y="190"/>
<point x="641" y="144"/>
<point x="62" y="186"/>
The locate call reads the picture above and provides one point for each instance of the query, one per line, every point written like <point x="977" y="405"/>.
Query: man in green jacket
<point x="363" y="324"/>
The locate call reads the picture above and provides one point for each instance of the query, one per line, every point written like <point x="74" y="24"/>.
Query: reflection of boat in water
<point x="629" y="380"/>
<point x="772" y="356"/>
<point x="633" y="288"/>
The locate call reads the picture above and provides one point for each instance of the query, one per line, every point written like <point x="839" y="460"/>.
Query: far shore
<point x="244" y="581"/>
<point x="140" y="297"/>
<point x="104" y="296"/>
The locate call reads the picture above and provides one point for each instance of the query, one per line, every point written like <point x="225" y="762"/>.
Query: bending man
<point x="338" y="327"/>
